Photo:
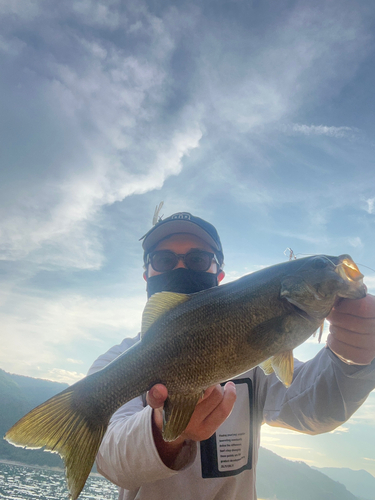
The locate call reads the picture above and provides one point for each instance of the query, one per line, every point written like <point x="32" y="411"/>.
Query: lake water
<point x="19" y="482"/>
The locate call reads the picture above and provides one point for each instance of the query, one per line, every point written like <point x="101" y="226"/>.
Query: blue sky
<point x="258" y="116"/>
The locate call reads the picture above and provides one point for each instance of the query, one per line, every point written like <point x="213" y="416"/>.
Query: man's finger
<point x="224" y="408"/>
<point x="352" y="323"/>
<point x="212" y="397"/>
<point x="211" y="413"/>
<point x="363" y="308"/>
<point x="156" y="396"/>
<point x="356" y="339"/>
<point x="356" y="355"/>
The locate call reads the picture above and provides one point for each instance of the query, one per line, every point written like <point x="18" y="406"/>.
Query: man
<point x="216" y="456"/>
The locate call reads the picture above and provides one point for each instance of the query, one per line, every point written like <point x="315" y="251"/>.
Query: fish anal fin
<point x="178" y="409"/>
<point x="56" y="426"/>
<point x="283" y="366"/>
<point x="157" y="305"/>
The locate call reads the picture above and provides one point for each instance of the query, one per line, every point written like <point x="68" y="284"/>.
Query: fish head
<point x="314" y="287"/>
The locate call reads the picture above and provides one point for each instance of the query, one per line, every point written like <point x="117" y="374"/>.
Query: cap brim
<point x="173" y="227"/>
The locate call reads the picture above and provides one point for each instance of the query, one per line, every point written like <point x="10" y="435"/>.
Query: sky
<point x="255" y="115"/>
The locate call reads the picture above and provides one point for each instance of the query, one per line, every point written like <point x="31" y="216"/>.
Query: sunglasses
<point x="166" y="260"/>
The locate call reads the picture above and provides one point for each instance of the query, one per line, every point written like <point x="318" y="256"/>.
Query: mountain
<point x="359" y="482"/>
<point x="18" y="395"/>
<point x="281" y="479"/>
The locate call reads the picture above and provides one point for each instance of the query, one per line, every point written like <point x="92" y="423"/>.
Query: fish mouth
<point x="348" y="270"/>
<point x="352" y="276"/>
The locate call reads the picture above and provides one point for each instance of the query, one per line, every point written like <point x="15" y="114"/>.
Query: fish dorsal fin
<point x="282" y="364"/>
<point x="178" y="409"/>
<point x="159" y="304"/>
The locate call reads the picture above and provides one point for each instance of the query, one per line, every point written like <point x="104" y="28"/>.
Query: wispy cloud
<point x="75" y="361"/>
<point x="340" y="430"/>
<point x="319" y="219"/>
<point x="60" y="375"/>
<point x="268" y="430"/>
<point x="355" y="242"/>
<point x="269" y="439"/>
<point x="231" y="276"/>
<point x="311" y="130"/>
<point x="370" y="205"/>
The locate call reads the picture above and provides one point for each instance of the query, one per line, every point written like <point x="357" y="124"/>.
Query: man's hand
<point x="210" y="412"/>
<point x="352" y="330"/>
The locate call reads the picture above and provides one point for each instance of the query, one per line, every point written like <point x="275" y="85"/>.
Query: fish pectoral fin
<point x="267" y="366"/>
<point x="283" y="366"/>
<point x="321" y="332"/>
<point x="159" y="304"/>
<point x="178" y="409"/>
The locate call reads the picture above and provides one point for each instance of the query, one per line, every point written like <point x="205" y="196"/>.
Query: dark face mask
<point x="181" y="280"/>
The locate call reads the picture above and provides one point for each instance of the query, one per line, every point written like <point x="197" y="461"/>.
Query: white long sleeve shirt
<point x="325" y="392"/>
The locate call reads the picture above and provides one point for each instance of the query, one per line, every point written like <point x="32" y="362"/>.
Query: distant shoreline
<point x="35" y="466"/>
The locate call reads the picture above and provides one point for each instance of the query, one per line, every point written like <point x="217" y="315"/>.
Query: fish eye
<point x="319" y="263"/>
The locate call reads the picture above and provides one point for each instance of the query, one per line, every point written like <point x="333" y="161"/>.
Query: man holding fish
<point x="215" y="456"/>
<point x="190" y="437"/>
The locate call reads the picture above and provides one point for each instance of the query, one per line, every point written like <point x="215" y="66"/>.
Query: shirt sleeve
<point x="325" y="392"/>
<point x="128" y="456"/>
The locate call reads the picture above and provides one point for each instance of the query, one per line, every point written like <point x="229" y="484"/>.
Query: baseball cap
<point x="182" y="222"/>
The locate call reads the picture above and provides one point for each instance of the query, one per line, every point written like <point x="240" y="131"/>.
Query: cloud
<point x="75" y="361"/>
<point x="231" y="276"/>
<point x="18" y="8"/>
<point x="269" y="439"/>
<point x="370" y="205"/>
<point x="340" y="430"/>
<point x="268" y="430"/>
<point x="89" y="124"/>
<point x="297" y="61"/>
<point x="319" y="219"/>
<point x="234" y="275"/>
<point x="100" y="107"/>
<point x="355" y="242"/>
<point x="52" y="329"/>
<point x="63" y="376"/>
<point x="310" y="130"/>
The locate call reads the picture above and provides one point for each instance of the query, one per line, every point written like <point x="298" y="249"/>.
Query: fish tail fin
<point x="58" y="426"/>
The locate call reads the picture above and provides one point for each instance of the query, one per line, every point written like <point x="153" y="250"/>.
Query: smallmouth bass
<point x="189" y="343"/>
